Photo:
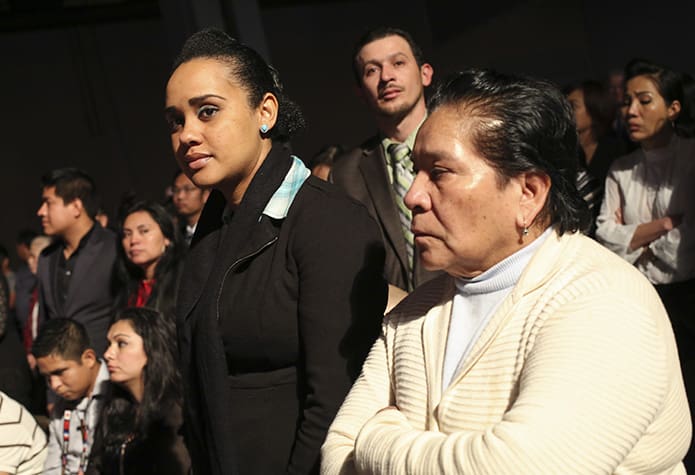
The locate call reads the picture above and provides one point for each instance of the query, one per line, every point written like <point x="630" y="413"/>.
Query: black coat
<point x="93" y="285"/>
<point x="275" y="317"/>
<point x="161" y="452"/>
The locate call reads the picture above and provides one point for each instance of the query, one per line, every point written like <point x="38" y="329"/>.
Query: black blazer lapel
<point x="374" y="172"/>
<point x="48" y="266"/>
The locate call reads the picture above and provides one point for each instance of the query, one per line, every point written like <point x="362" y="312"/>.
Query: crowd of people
<point x="500" y="280"/>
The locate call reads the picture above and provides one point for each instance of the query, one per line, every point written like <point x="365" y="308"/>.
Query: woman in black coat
<point x="282" y="292"/>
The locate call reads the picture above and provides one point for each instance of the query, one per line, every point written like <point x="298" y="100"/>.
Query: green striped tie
<point x="402" y="179"/>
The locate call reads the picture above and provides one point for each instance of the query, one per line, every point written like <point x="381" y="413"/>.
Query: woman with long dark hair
<point x="282" y="291"/>
<point x="141" y="418"/>
<point x="150" y="258"/>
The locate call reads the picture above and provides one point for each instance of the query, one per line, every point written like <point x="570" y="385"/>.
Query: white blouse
<point x="648" y="185"/>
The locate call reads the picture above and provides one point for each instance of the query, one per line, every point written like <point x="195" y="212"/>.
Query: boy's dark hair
<point x="72" y="183"/>
<point x="62" y="337"/>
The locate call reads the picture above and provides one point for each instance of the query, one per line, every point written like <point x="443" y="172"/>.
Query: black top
<point x="275" y="317"/>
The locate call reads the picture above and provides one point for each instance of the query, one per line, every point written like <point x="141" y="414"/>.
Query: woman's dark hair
<point x="519" y="124"/>
<point x="599" y="105"/>
<point x="167" y="271"/>
<point x="250" y="71"/>
<point x="673" y="86"/>
<point x="122" y="416"/>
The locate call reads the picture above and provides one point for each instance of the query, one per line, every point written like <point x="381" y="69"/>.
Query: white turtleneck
<point x="475" y="302"/>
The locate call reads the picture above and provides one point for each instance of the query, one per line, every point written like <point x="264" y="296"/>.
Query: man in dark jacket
<point x="391" y="77"/>
<point x="76" y="272"/>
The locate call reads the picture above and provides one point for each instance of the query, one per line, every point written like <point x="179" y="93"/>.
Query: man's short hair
<point x="176" y="174"/>
<point x="377" y="34"/>
<point x="71" y="184"/>
<point x="61" y="337"/>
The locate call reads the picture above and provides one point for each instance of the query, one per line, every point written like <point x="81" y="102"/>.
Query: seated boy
<point x="74" y="372"/>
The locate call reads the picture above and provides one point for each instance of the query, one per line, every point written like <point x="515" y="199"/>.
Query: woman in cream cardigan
<point x="539" y="351"/>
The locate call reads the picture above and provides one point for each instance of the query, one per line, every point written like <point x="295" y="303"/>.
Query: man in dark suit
<point x="76" y="273"/>
<point x="391" y="77"/>
<point x="188" y="200"/>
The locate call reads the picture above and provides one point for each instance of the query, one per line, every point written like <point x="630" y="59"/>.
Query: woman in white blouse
<point x="644" y="216"/>
<point x="647" y="213"/>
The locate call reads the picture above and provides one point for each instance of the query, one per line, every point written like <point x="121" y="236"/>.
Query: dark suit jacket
<point x="274" y="318"/>
<point x="362" y="173"/>
<point x="91" y="294"/>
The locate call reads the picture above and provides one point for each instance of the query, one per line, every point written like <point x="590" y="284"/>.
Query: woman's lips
<point x="197" y="161"/>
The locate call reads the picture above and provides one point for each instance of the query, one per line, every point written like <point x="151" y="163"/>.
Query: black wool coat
<point x="275" y="317"/>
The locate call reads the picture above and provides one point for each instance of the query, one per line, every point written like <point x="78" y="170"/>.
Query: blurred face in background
<point x="143" y="241"/>
<point x="38" y="244"/>
<point x="188" y="199"/>
<point x="581" y="115"/>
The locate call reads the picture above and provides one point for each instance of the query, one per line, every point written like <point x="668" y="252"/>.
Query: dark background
<point x="82" y="81"/>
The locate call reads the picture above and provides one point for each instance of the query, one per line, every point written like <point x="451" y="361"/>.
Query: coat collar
<point x="238" y="236"/>
<point x="375" y="175"/>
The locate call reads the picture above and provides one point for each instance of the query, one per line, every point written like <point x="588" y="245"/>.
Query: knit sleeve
<point x="370" y="393"/>
<point x="592" y="386"/>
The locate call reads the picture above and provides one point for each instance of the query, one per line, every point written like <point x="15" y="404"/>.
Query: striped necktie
<point x="402" y="179"/>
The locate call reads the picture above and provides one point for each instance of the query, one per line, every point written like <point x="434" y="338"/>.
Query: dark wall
<point x="92" y="96"/>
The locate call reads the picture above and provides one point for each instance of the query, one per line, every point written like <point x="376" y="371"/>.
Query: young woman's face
<point x="125" y="356"/>
<point x="647" y="114"/>
<point x="215" y="133"/>
<point x="143" y="241"/>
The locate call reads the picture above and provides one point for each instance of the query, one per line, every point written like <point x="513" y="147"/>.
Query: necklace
<point x="67" y="418"/>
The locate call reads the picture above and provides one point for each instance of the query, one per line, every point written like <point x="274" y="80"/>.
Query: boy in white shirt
<point x="80" y="380"/>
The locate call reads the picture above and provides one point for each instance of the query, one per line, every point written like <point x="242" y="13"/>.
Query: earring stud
<point x="264" y="128"/>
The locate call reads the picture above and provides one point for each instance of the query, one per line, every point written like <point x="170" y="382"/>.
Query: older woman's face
<point x="214" y="132"/>
<point x="463" y="222"/>
<point x="646" y="111"/>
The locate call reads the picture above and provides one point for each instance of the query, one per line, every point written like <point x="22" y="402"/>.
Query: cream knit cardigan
<point x="577" y="372"/>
